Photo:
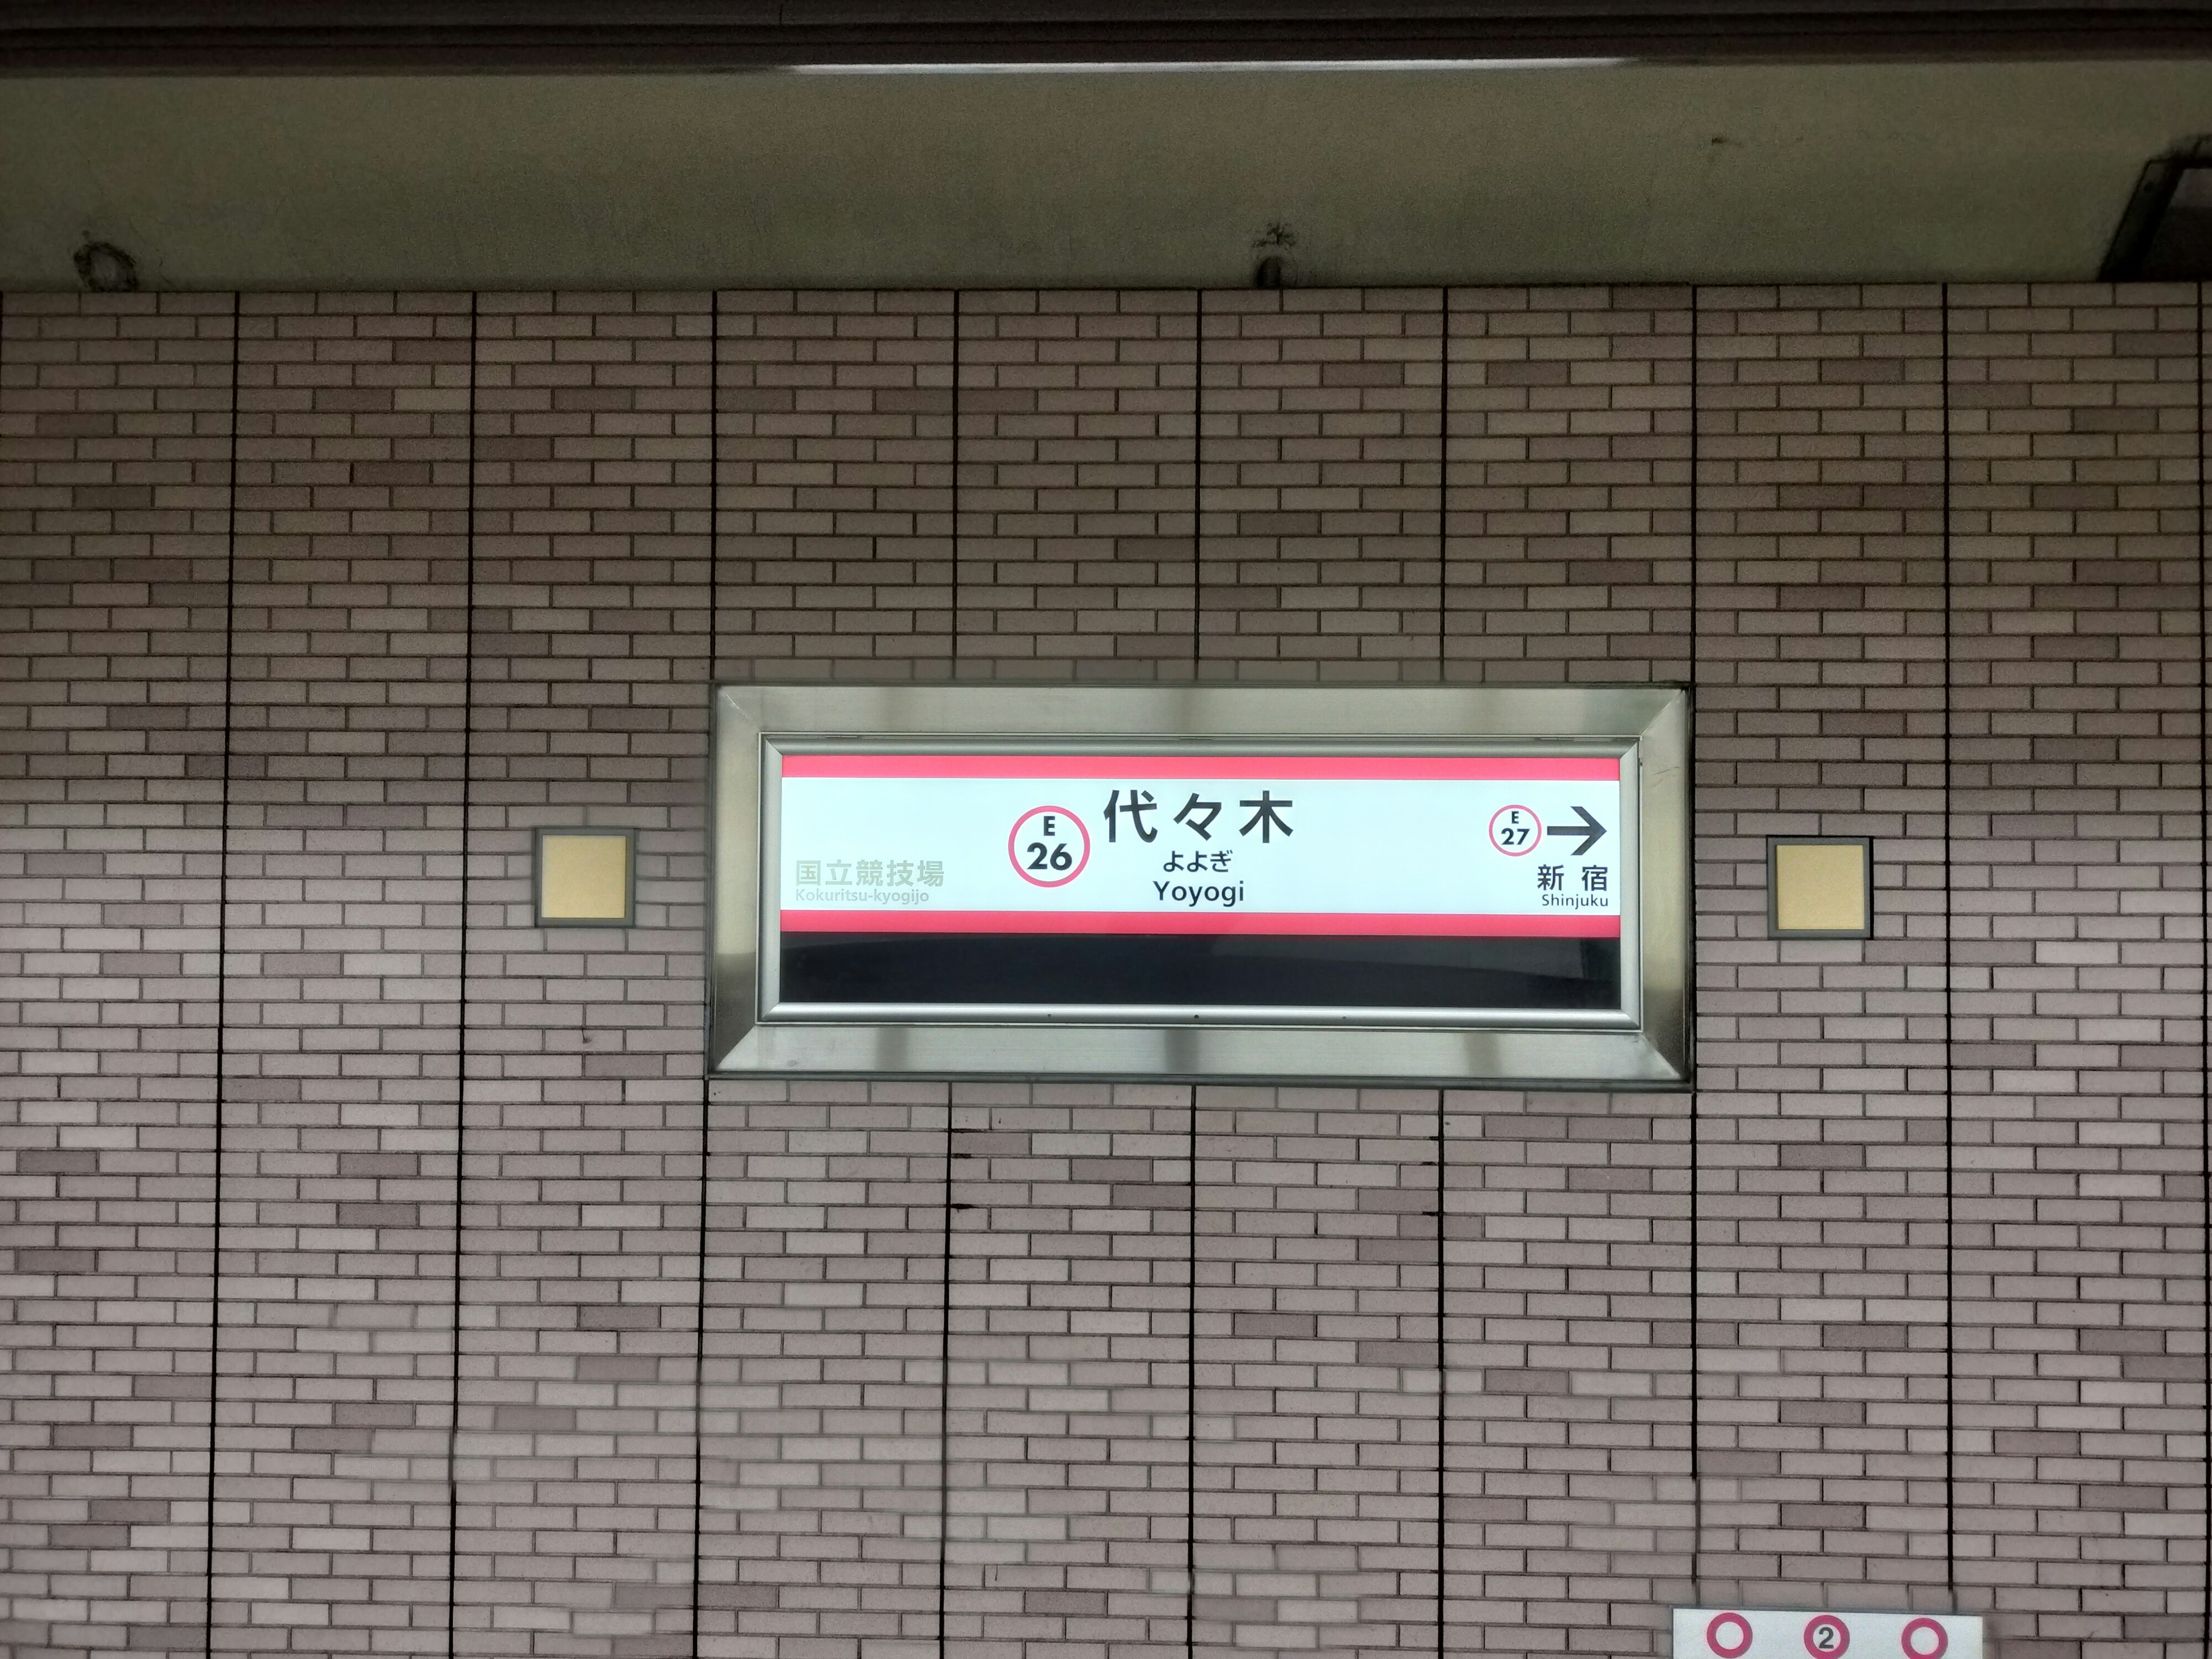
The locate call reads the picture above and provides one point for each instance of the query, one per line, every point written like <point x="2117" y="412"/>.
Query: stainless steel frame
<point x="1644" y="1044"/>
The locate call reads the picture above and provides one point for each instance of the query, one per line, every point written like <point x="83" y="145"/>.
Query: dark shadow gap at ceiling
<point x="481" y="36"/>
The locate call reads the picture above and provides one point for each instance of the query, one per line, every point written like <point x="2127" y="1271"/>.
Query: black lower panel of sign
<point x="1194" y="972"/>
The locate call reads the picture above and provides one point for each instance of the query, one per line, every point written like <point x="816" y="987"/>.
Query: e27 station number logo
<point x="1516" y="830"/>
<point x="1048" y="847"/>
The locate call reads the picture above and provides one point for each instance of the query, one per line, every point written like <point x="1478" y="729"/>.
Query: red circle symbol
<point x="1826" y="1635"/>
<point x="1515" y="830"/>
<point x="1048" y="858"/>
<point x="1924" y="1627"/>
<point x="1729" y="1647"/>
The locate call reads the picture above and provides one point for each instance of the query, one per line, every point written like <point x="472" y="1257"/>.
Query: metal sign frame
<point x="1645" y="1044"/>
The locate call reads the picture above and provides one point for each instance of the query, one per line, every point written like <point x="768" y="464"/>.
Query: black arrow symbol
<point x="1589" y="829"/>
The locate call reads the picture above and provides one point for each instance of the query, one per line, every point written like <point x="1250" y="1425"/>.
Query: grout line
<point x="1443" y="1372"/>
<point x="1191" y="1406"/>
<point x="944" y="1391"/>
<point x="2204" y="908"/>
<point x="706" y="959"/>
<point x="1197" y="551"/>
<point x="1950" y="1063"/>
<point x="952" y="638"/>
<point x="1443" y="510"/>
<point x="1443" y="483"/>
<point x="461" y="1016"/>
<point x="1696" y="1355"/>
<point x="222" y="974"/>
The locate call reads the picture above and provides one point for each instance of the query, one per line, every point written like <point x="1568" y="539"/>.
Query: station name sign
<point x="1184" y="882"/>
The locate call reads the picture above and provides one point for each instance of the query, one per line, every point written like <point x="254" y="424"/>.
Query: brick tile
<point x="833" y="453"/>
<point x="1567" y="530"/>
<point x="1067" y="1480"/>
<point x="583" y="1140"/>
<point x="1568" y="1512"/>
<point x="342" y="972"/>
<point x="1317" y="1418"/>
<point x="1320" y="485"/>
<point x="115" y="415"/>
<point x="1823" y="1170"/>
<point x="822" y="1409"/>
<point x="1077" y="444"/>
<point x="2076" y="590"/>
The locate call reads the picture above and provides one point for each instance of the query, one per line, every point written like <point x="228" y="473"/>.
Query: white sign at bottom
<point x="1766" y="1633"/>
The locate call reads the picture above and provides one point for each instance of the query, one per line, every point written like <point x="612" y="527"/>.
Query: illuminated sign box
<point x="1449" y="886"/>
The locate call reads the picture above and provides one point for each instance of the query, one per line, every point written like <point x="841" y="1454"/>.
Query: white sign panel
<point x="1287" y="845"/>
<point x="1770" y="1633"/>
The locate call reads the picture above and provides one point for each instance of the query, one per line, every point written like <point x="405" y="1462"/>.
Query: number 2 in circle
<point x="1827" y="1637"/>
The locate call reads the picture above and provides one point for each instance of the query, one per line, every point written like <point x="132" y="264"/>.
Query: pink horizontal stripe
<point x="1285" y="769"/>
<point x="1286" y="923"/>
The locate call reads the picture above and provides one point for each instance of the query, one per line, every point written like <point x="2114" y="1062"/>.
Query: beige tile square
<point x="584" y="877"/>
<point x="1821" y="887"/>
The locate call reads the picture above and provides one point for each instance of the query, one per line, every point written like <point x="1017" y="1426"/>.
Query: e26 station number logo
<point x="1048" y="847"/>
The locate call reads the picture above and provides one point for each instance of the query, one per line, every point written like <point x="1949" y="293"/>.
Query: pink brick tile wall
<point x="822" y="1406"/>
<point x="1567" y="527"/>
<point x="1822" y="1161"/>
<point x="1568" y="1510"/>
<point x="833" y="473"/>
<point x="1320" y="485"/>
<point x="1066" y="1463"/>
<point x="114" y="452"/>
<point x="2077" y="950"/>
<point x="581" y="1157"/>
<point x="1078" y="453"/>
<point x="1317" y="1418"/>
<point x="349" y="584"/>
<point x="488" y="554"/>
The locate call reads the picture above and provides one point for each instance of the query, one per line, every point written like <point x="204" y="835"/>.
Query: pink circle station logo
<point x="1048" y="847"/>
<point x="1729" y="1635"/>
<point x="1515" y="831"/>
<point x="1923" y="1638"/>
